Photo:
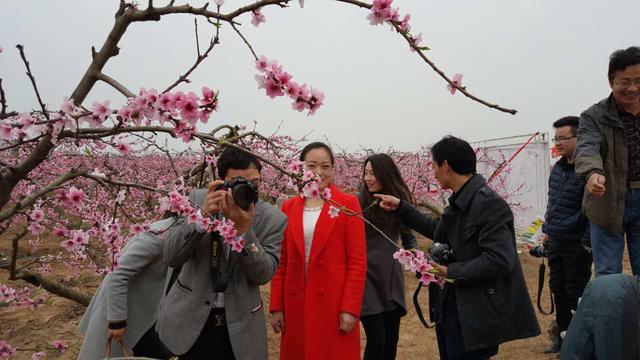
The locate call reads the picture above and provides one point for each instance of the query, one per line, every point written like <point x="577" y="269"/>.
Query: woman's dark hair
<point x="621" y="59"/>
<point x="316" y="145"/>
<point x="232" y="158"/>
<point x="388" y="175"/>
<point x="458" y="154"/>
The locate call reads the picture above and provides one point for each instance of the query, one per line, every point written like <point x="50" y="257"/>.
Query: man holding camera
<point x="214" y="308"/>
<point x="488" y="302"/>
<point x="566" y="231"/>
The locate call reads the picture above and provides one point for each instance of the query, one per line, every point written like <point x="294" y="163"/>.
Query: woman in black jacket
<point x="383" y="303"/>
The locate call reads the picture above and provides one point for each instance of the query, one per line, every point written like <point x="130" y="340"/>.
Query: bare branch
<point x="53" y="287"/>
<point x="33" y="81"/>
<point x="3" y="105"/>
<point x="116" y="85"/>
<point x="195" y="25"/>
<point x="245" y="41"/>
<point x="433" y="66"/>
<point x="199" y="59"/>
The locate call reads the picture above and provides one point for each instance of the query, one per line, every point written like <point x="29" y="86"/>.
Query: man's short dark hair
<point x="232" y="158"/>
<point x="458" y="153"/>
<point x="623" y="58"/>
<point x="572" y="121"/>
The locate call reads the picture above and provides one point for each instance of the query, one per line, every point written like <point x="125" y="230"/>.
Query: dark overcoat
<point x="489" y="288"/>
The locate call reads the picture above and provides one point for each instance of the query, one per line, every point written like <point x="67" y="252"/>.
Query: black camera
<point x="244" y="191"/>
<point x="539" y="251"/>
<point x="441" y="253"/>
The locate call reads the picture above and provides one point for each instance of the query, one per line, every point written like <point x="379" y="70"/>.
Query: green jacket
<point x="602" y="149"/>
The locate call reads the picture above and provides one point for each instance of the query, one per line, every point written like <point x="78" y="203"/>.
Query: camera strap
<point x="416" y="304"/>
<point x="541" y="271"/>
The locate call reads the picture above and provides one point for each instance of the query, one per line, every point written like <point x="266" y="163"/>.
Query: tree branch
<point x="33" y="81"/>
<point x="3" y="103"/>
<point x="116" y="85"/>
<point x="245" y="41"/>
<point x="53" y="287"/>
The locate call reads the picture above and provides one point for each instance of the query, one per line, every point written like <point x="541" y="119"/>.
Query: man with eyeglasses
<point x="566" y="234"/>
<point x="608" y="159"/>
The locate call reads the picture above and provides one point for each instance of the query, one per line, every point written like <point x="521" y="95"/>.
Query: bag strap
<point x="630" y="314"/>
<point x="107" y="349"/>
<point x="541" y="271"/>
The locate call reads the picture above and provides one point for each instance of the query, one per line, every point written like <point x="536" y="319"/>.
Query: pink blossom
<point x="415" y="41"/>
<point x="61" y="232"/>
<point x="238" y="245"/>
<point x="296" y="166"/>
<point x="60" y="345"/>
<point x="7" y="132"/>
<point x="273" y="88"/>
<point x="26" y="120"/>
<point x="317" y="100"/>
<point x="120" y="197"/>
<point x="68" y="106"/>
<point x="37" y="215"/>
<point x="262" y="63"/>
<point x="457" y="80"/>
<point x="6" y="351"/>
<point x="7" y="294"/>
<point x="404" y="24"/>
<point x="258" y="17"/>
<point x="101" y="109"/>
<point x="75" y="197"/>
<point x="326" y="194"/>
<point x="165" y="101"/>
<point x="36" y="229"/>
<point x="293" y="89"/>
<point x="137" y="229"/>
<point x="80" y="237"/>
<point x="38" y="355"/>
<point x="333" y="211"/>
<point x="123" y="147"/>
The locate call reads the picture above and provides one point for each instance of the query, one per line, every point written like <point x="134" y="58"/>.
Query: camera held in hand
<point x="441" y="253"/>
<point x="244" y="191"/>
<point x="539" y="250"/>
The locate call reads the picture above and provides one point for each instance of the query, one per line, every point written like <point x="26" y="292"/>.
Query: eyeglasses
<point x="627" y="82"/>
<point x="560" y="139"/>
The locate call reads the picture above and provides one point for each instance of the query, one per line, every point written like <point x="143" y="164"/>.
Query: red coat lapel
<point x="295" y="219"/>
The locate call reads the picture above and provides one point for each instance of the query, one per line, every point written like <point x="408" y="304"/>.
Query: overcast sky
<point x="544" y="58"/>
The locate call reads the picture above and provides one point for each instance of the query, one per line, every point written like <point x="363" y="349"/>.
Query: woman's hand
<point x="347" y="321"/>
<point x="277" y="321"/>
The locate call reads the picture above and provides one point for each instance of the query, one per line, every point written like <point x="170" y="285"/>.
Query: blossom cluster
<point x="181" y="205"/>
<point x="416" y="262"/>
<point x="382" y="12"/>
<point x="278" y="82"/>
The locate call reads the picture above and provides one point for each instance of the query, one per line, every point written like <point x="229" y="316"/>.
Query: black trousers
<point x="382" y="332"/>
<point x="449" y="334"/>
<point x="150" y="346"/>
<point x="568" y="276"/>
<point x="213" y="342"/>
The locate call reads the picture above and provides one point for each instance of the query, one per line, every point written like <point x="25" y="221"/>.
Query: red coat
<point x="334" y="282"/>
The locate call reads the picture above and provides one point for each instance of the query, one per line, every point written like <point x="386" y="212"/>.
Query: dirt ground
<point x="34" y="330"/>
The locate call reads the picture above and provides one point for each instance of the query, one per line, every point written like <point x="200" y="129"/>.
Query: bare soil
<point x="33" y="330"/>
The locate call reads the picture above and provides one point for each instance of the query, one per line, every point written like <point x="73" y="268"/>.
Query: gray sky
<point x="544" y="58"/>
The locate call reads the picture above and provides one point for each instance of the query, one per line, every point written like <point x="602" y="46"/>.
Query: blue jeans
<point x="608" y="246"/>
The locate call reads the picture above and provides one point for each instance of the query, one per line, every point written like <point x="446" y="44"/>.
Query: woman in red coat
<point x="316" y="293"/>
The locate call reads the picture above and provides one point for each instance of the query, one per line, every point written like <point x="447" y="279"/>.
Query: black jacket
<point x="489" y="287"/>
<point x="564" y="222"/>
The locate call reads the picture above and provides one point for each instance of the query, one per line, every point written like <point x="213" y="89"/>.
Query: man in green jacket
<point x="608" y="159"/>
